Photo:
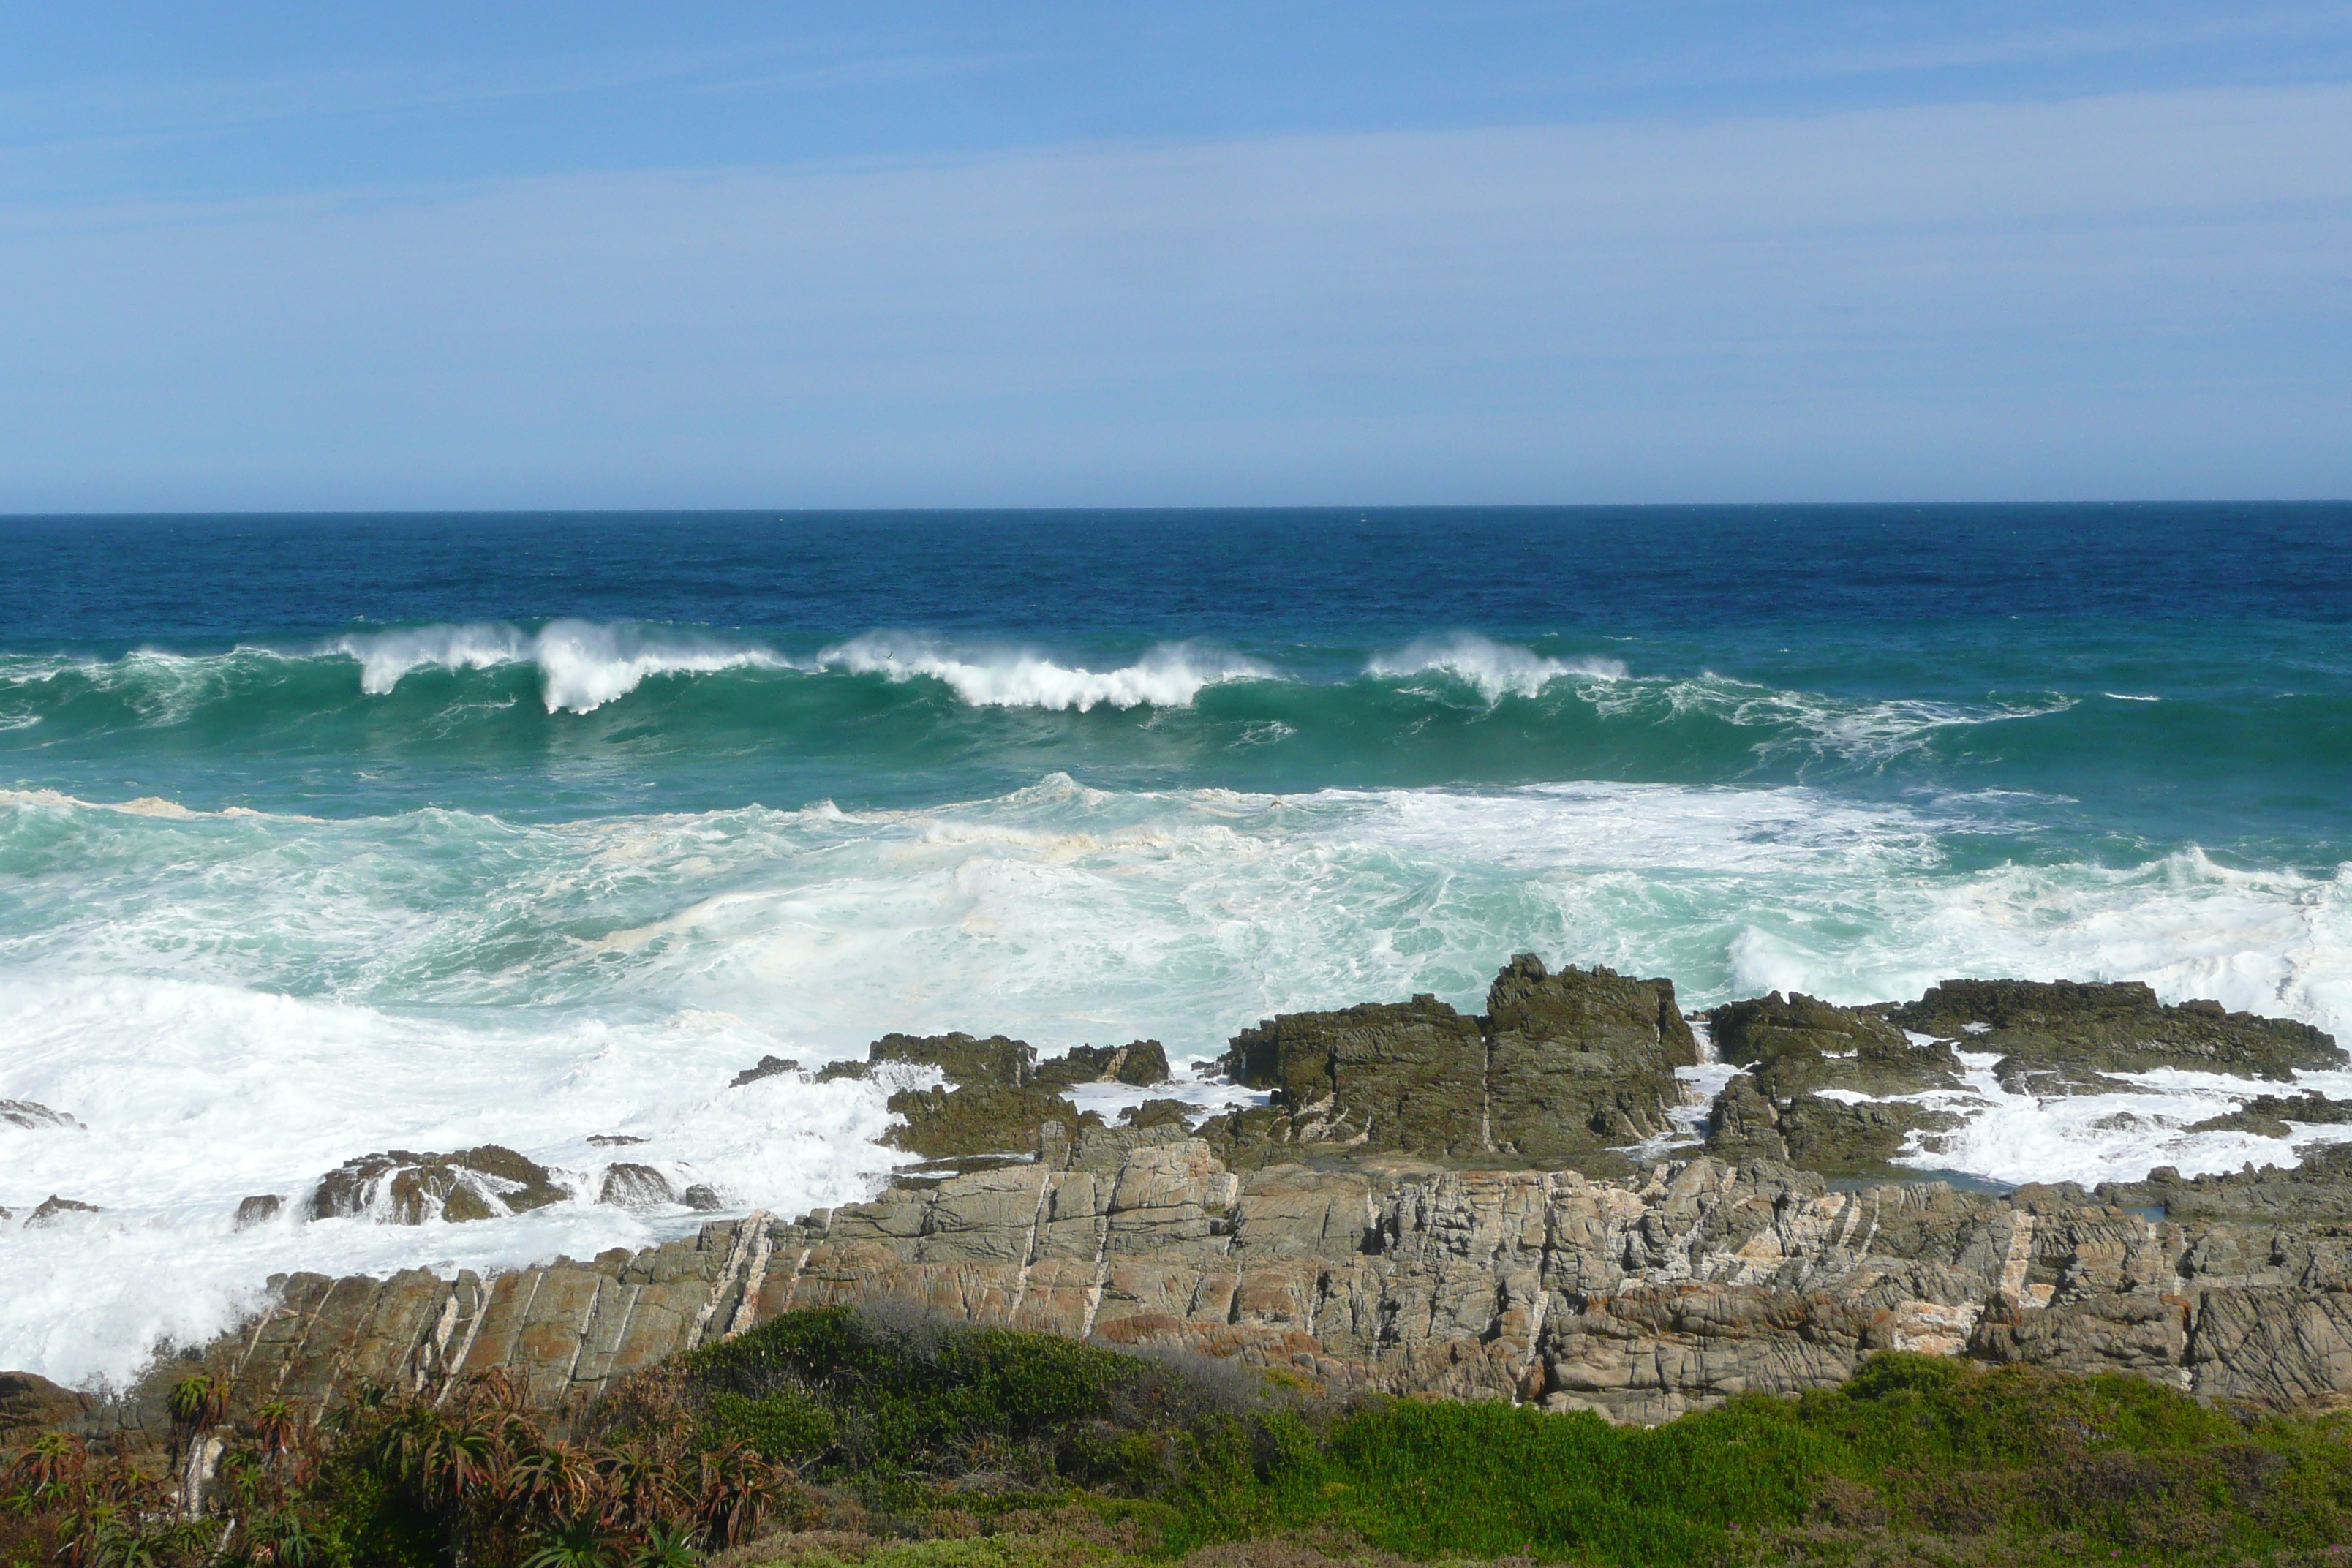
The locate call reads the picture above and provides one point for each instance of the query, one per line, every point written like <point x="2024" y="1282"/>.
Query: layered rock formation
<point x="1639" y="1298"/>
<point x="1510" y="1206"/>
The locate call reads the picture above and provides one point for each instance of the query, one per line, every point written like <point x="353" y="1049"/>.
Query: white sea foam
<point x="582" y="665"/>
<point x="1169" y="676"/>
<point x="1495" y="670"/>
<point x="235" y="1004"/>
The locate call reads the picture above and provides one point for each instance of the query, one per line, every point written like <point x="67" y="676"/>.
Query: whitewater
<point x="425" y="834"/>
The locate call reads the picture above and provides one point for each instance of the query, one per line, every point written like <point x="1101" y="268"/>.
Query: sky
<point x="419" y="256"/>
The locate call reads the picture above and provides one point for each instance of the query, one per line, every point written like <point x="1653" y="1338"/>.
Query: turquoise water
<point x="323" y="836"/>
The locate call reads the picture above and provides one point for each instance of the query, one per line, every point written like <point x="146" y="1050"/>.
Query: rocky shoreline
<point x="1521" y="1204"/>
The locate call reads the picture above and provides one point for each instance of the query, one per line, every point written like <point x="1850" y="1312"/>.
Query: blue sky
<point x="368" y="255"/>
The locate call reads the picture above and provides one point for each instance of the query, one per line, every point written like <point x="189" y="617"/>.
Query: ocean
<point x="322" y="836"/>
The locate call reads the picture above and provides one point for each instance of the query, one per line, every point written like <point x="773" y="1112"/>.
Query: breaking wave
<point x="582" y="665"/>
<point x="1495" y="669"/>
<point x="1170" y="676"/>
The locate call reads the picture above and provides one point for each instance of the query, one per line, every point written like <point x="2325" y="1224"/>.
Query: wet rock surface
<point x="406" y="1188"/>
<point x="31" y="1115"/>
<point x="2069" y="1030"/>
<point x="1141" y="1063"/>
<point x="1577" y="1063"/>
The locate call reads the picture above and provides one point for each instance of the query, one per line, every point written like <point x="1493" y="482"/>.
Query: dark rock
<point x="1798" y="1043"/>
<point x="1157" y="1113"/>
<point x="260" y="1209"/>
<point x="1834" y="1137"/>
<point x="27" y="1114"/>
<point x="1580" y="1060"/>
<point x="964" y="1059"/>
<point x="1744" y="1124"/>
<point x="2269" y="1114"/>
<point x="702" y="1199"/>
<point x="1575" y="1063"/>
<point x="2319" y="1189"/>
<point x="612" y="1140"/>
<point x="1390" y="1075"/>
<point x="634" y="1186"/>
<point x="2076" y="1027"/>
<point x="1142" y="1063"/>
<point x="770" y="1067"/>
<point x="470" y="1184"/>
<point x="981" y="1120"/>
<point x="53" y="1207"/>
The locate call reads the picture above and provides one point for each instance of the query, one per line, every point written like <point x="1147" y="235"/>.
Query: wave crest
<point x="581" y="665"/>
<point x="1170" y="676"/>
<point x="1496" y="670"/>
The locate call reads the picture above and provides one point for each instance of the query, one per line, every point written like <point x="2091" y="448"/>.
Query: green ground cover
<point x="829" y="1436"/>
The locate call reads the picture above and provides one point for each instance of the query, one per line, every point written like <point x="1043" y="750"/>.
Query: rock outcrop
<point x="409" y="1189"/>
<point x="1141" y="1063"/>
<point x="2061" y="1032"/>
<point x="1577" y="1063"/>
<point x="1639" y="1298"/>
<point x="31" y="1115"/>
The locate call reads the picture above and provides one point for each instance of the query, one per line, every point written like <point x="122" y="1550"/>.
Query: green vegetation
<point x="829" y="1435"/>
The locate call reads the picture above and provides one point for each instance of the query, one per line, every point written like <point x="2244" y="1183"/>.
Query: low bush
<point x="987" y="1448"/>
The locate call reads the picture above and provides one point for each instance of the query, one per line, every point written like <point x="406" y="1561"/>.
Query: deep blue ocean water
<point x="1878" y="651"/>
<point x="325" y="835"/>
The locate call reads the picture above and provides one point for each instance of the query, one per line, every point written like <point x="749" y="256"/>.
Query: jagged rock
<point x="1565" y="1064"/>
<point x="612" y="1140"/>
<point x="1390" y="1075"/>
<point x="470" y="1184"/>
<point x="2069" y="1028"/>
<point x="2269" y="1114"/>
<point x="1580" y="1060"/>
<point x="1639" y="1298"/>
<point x="1798" y="1043"/>
<point x="260" y="1209"/>
<point x="702" y="1198"/>
<point x="963" y="1059"/>
<point x="633" y="1186"/>
<point x="1835" y="1137"/>
<point x="1142" y="1063"/>
<point x="2320" y="1189"/>
<point x="53" y="1207"/>
<point x="770" y="1067"/>
<point x="981" y="1120"/>
<point x="1157" y="1113"/>
<point x="32" y="1116"/>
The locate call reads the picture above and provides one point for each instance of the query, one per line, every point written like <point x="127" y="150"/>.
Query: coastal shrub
<point x="963" y="1439"/>
<point x="851" y="1394"/>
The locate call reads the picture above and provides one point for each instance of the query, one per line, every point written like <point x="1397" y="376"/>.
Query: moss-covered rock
<point x="1798" y="1043"/>
<point x="2068" y="1031"/>
<point x="1141" y="1063"/>
<point x="1580" y="1060"/>
<point x="980" y="1120"/>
